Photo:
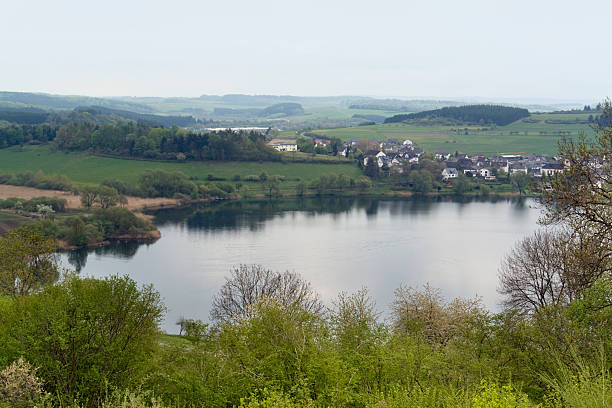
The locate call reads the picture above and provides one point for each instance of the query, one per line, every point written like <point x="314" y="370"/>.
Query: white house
<point x="284" y="145"/>
<point x="449" y="173"/>
<point x="407" y="142"/>
<point x="484" y="172"/>
<point x="518" y="168"/>
<point x="442" y="156"/>
<point x="549" y="170"/>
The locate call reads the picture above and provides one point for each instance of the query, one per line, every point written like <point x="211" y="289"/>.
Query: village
<point x="395" y="156"/>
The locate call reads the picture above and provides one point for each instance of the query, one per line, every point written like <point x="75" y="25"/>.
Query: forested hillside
<point x="49" y="101"/>
<point x="470" y="114"/>
<point x="138" y="140"/>
<point x="153" y="120"/>
<point x="288" y="109"/>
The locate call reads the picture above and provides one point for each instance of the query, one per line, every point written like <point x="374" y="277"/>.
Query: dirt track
<point x="73" y="201"/>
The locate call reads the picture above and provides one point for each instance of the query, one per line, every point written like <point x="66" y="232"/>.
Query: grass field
<point x="517" y="137"/>
<point x="84" y="168"/>
<point x="9" y="220"/>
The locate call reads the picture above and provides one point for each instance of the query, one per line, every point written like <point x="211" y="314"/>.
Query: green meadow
<point x="519" y="137"/>
<point x="84" y="168"/>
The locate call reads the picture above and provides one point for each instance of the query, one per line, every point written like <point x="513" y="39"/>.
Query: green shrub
<point x="86" y="335"/>
<point x="252" y="178"/>
<point x="492" y="395"/>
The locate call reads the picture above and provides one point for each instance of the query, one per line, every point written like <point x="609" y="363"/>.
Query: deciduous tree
<point x="27" y="262"/>
<point x="247" y="284"/>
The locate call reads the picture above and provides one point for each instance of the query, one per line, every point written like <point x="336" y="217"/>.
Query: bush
<point x="86" y="335"/>
<point x="38" y="180"/>
<point x="485" y="190"/>
<point x="252" y="177"/>
<point x="159" y="183"/>
<point x="19" y="386"/>
<point x="210" y="190"/>
<point x="118" y="221"/>
<point x="226" y="187"/>
<point x="121" y="187"/>
<point x="492" y="395"/>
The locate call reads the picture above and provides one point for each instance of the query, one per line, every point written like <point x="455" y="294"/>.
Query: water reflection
<point x="253" y="215"/>
<point x="338" y="244"/>
<point x="117" y="249"/>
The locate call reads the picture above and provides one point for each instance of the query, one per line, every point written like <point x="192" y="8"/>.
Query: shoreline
<point x="143" y="206"/>
<point x="144" y="238"/>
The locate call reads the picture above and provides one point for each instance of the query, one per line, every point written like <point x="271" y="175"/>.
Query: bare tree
<point x="531" y="275"/>
<point x="556" y="266"/>
<point x="427" y="314"/>
<point x="581" y="196"/>
<point x="551" y="267"/>
<point x="249" y="283"/>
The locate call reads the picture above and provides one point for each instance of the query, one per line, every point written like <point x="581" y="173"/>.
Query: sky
<point x="536" y="50"/>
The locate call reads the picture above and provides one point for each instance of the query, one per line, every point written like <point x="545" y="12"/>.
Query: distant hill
<point x="49" y="101"/>
<point x="153" y="120"/>
<point x="372" y="118"/>
<point x="236" y="112"/>
<point x="469" y="114"/>
<point x="382" y="107"/>
<point x="24" y="116"/>
<point x="91" y="114"/>
<point x="287" y="109"/>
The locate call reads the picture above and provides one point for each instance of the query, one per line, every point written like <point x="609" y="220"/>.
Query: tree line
<point x="139" y="140"/>
<point x="472" y="114"/>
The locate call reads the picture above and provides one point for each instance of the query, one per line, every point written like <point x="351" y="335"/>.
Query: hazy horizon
<point x="523" y="51"/>
<point x="475" y="99"/>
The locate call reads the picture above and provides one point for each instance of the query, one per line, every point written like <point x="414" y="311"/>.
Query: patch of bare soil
<point x="74" y="201"/>
<point x="27" y="193"/>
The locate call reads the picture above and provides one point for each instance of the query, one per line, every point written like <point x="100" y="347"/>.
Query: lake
<point x="338" y="244"/>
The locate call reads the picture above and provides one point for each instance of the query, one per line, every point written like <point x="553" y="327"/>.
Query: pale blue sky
<point x="437" y="48"/>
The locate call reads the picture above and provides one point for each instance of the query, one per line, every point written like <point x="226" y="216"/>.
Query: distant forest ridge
<point x="92" y="114"/>
<point x="155" y="120"/>
<point x="49" y="101"/>
<point x="174" y="105"/>
<point x="279" y="109"/>
<point x="470" y="114"/>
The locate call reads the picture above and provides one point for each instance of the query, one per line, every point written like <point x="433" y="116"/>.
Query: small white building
<point x="484" y="172"/>
<point x="407" y="142"/>
<point x="442" y="156"/>
<point x="449" y="173"/>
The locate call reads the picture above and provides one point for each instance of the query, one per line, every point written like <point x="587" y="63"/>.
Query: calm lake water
<point x="336" y="244"/>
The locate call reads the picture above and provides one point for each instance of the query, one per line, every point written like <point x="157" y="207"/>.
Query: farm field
<point x="84" y="168"/>
<point x="518" y="137"/>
